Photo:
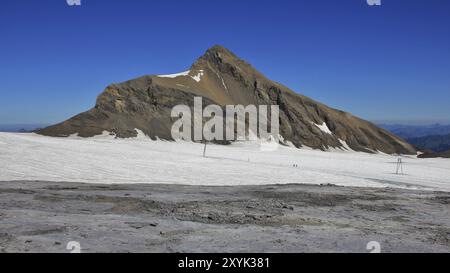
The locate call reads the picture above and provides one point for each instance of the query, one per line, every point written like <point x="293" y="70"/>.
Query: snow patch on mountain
<point x="324" y="128"/>
<point x="345" y="145"/>
<point x="196" y="77"/>
<point x="172" y="76"/>
<point x="223" y="82"/>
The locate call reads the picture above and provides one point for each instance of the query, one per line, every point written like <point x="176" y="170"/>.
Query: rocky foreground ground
<point x="45" y="217"/>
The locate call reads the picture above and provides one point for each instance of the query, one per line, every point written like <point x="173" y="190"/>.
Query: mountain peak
<point x="219" y="58"/>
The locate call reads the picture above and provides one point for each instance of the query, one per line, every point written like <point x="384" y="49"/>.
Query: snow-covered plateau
<point x="104" y="159"/>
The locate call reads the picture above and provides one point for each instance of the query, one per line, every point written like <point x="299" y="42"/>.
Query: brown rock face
<point x="220" y="77"/>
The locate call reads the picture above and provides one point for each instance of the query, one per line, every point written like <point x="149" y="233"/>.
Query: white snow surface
<point x="103" y="159"/>
<point x="324" y="128"/>
<point x="196" y="77"/>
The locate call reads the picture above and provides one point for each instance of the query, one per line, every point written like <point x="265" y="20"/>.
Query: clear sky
<point x="388" y="63"/>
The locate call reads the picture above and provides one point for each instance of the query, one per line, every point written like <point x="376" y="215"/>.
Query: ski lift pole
<point x="204" y="150"/>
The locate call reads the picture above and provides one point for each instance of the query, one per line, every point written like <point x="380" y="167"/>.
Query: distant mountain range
<point x="20" y="127"/>
<point x="411" y="131"/>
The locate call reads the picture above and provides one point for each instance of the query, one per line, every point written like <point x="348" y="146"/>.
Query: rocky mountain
<point x="222" y="78"/>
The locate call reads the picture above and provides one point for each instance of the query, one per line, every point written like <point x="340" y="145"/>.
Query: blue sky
<point x="387" y="63"/>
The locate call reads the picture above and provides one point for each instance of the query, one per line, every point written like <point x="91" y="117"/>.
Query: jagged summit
<point x="222" y="78"/>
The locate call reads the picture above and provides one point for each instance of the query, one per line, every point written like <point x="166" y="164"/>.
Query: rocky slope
<point x="220" y="77"/>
